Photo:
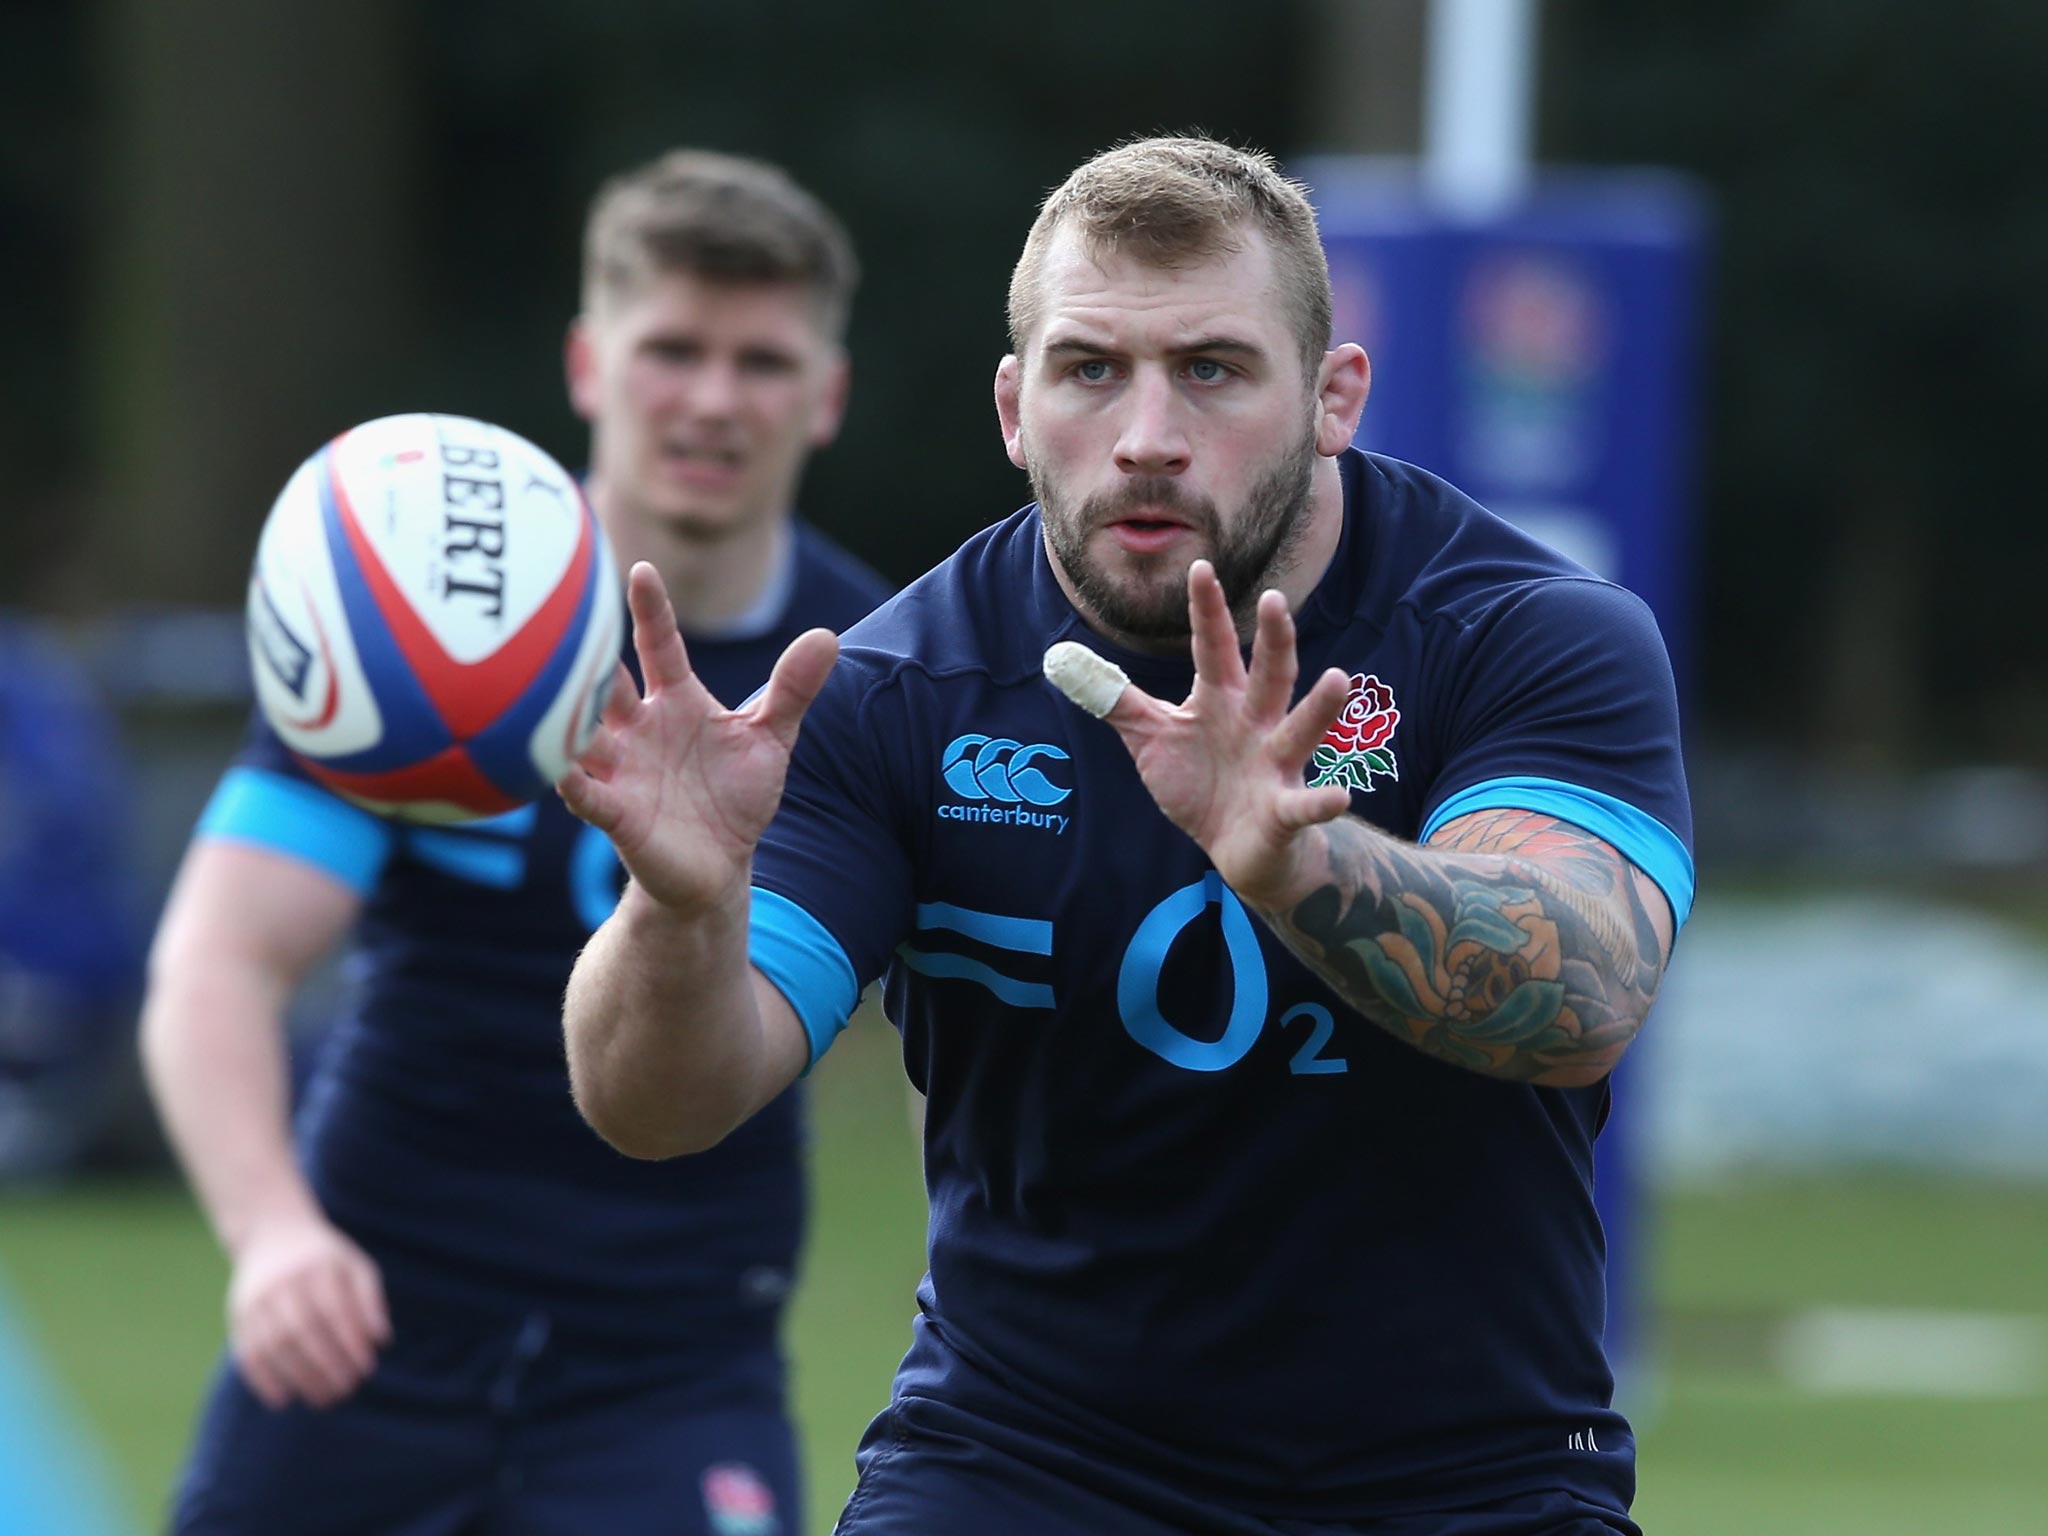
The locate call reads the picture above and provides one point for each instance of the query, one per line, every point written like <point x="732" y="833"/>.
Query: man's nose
<point x="1154" y="439"/>
<point x="712" y="389"/>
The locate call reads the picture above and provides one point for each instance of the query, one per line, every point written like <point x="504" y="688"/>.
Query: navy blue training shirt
<point x="1188" y="1209"/>
<point x="438" y="1130"/>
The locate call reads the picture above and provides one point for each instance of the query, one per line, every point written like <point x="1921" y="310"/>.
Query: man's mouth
<point x="1146" y="533"/>
<point x="702" y="453"/>
<point x="703" y="464"/>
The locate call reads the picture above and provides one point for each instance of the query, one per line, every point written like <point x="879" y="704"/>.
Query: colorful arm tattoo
<point x="1514" y="944"/>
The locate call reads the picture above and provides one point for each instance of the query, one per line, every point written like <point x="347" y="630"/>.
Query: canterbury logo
<point x="997" y="768"/>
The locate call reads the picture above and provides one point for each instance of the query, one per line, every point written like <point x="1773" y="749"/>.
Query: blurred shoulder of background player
<point x="707" y="358"/>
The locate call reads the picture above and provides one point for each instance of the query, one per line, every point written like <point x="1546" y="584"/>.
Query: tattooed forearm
<point x="1514" y="944"/>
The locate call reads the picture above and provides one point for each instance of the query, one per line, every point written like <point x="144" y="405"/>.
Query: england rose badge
<point x="1357" y="746"/>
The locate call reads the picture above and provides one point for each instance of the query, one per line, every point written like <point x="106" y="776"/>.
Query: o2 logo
<point x="1137" y="989"/>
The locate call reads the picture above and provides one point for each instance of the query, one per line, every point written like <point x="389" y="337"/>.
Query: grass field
<point x="119" y="1287"/>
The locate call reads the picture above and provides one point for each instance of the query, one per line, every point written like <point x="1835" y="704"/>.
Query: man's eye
<point x="1206" y="370"/>
<point x="1092" y="371"/>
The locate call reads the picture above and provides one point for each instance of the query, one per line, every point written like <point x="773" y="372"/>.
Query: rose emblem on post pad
<point x="1357" y="747"/>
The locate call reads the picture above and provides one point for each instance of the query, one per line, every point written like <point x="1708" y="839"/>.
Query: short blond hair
<point x="1168" y="202"/>
<point x="723" y="218"/>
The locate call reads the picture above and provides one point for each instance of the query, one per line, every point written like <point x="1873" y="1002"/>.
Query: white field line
<point x="1869" y="1351"/>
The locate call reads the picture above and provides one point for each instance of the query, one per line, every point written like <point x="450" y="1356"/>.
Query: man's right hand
<point x="682" y="786"/>
<point x="306" y="1313"/>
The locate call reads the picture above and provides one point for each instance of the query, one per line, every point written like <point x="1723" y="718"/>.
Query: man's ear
<point x="831" y="410"/>
<point x="579" y="367"/>
<point x="1009" y="393"/>
<point x="1342" y="385"/>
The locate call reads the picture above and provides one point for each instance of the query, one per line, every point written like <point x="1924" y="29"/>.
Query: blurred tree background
<point x="235" y="226"/>
<point x="1879" y="351"/>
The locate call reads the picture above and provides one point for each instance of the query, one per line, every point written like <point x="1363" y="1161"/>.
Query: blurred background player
<point x="1264" y="1036"/>
<point x="453" y="1308"/>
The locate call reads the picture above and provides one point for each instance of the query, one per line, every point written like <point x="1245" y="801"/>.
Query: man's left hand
<point x="1226" y="765"/>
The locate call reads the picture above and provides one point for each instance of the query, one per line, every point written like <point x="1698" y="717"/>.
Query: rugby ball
<point x="434" y="616"/>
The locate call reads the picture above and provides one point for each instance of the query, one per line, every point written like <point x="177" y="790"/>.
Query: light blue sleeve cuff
<point x="1637" y="836"/>
<point x="795" y="952"/>
<point x="287" y="815"/>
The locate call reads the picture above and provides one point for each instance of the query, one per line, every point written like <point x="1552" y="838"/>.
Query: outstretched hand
<point x="682" y="786"/>
<point x="1226" y="765"/>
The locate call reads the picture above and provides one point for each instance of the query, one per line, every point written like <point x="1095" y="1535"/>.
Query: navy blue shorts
<point x="927" y="1467"/>
<point x="501" y="1430"/>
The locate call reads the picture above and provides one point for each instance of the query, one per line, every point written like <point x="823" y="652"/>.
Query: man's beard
<point x="1150" y="601"/>
<point x="701" y="532"/>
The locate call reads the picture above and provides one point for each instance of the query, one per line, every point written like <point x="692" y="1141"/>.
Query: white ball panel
<point x="474" y="524"/>
<point x="309" y="679"/>
<point x="564" y="731"/>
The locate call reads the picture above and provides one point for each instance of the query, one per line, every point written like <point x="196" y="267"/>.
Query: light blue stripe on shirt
<point x="287" y="815"/>
<point x="1018" y="994"/>
<point x="1027" y="935"/>
<point x="1636" y="835"/>
<point x="799" y="955"/>
<point x="480" y="860"/>
<point x="513" y="823"/>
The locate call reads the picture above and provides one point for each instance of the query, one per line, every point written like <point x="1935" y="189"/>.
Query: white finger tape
<point x="1091" y="682"/>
